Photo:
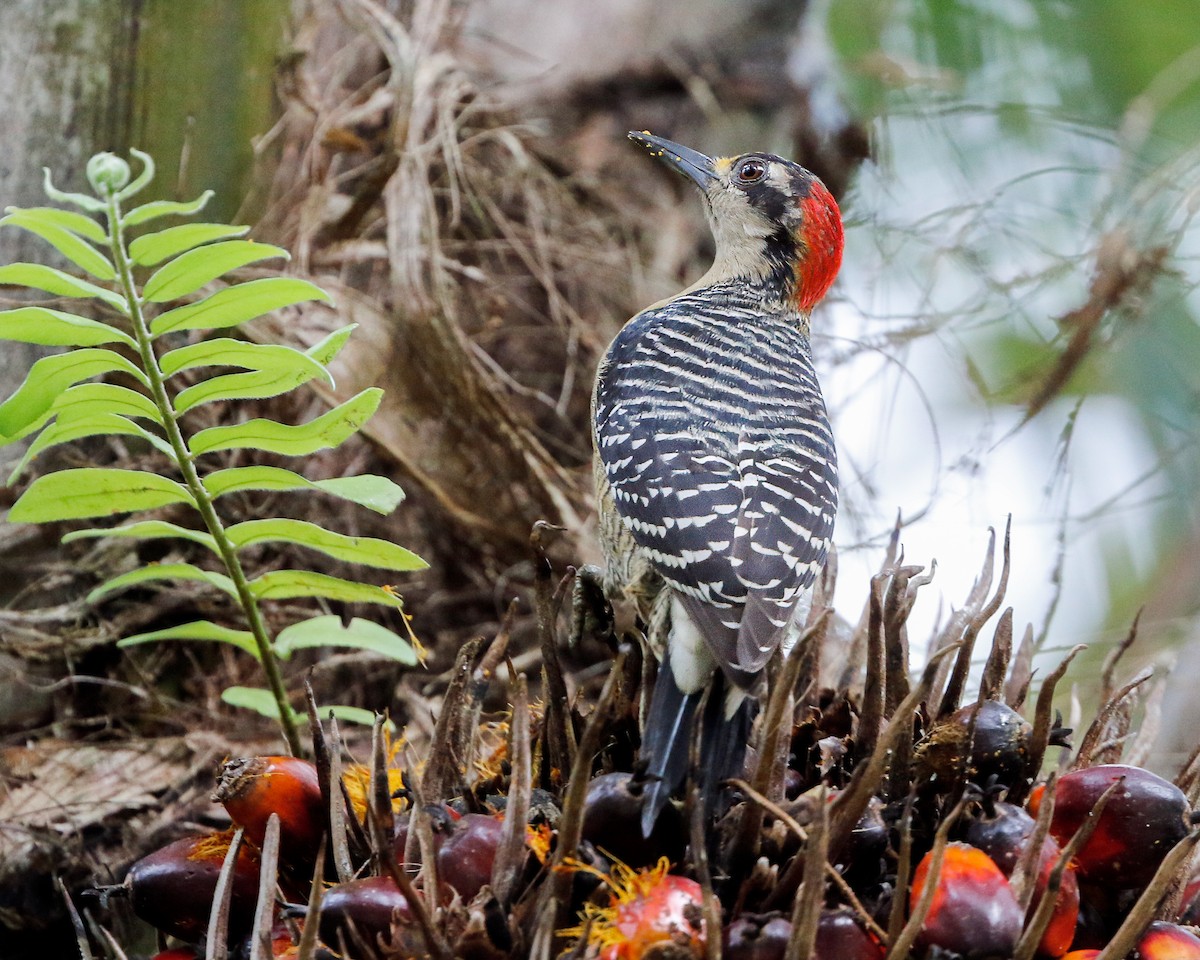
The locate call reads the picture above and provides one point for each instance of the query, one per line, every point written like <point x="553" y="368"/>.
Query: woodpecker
<point x="715" y="467"/>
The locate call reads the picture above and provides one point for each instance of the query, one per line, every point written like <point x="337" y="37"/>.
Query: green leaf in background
<point x="197" y="630"/>
<point x="369" y="551"/>
<point x="65" y="219"/>
<point x="326" y="431"/>
<point x="95" y="492"/>
<point x="49" y="377"/>
<point x="237" y="304"/>
<point x="190" y="271"/>
<point x="287" y="370"/>
<point x="375" y="493"/>
<point x="69" y="244"/>
<point x="289" y="584"/>
<point x="365" y="718"/>
<point x="41" y="277"/>
<point x="263" y="702"/>
<point x="157" y="572"/>
<point x="154" y="248"/>
<point x="55" y="328"/>
<point x="257" y="699"/>
<point x="79" y="427"/>
<point x="359" y="634"/>
<point x="145" y="530"/>
<point x="164" y="208"/>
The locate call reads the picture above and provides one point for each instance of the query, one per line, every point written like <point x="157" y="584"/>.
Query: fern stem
<point x="200" y="495"/>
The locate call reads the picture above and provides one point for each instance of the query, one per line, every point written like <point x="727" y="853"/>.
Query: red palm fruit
<point x="364" y="912"/>
<point x="252" y="788"/>
<point x="841" y="937"/>
<point x="1081" y="955"/>
<point x="973" y="912"/>
<point x="172" y="888"/>
<point x="651" y="913"/>
<point x="1144" y="819"/>
<point x="1189" y="903"/>
<point x="1004" y="837"/>
<point x="1167" y="941"/>
<point x="465" y="859"/>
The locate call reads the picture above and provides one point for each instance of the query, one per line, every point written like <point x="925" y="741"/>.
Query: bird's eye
<point x="750" y="171"/>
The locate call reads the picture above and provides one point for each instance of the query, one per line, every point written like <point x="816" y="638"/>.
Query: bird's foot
<point x="591" y="613"/>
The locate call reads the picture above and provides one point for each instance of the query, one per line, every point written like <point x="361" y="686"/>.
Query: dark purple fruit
<point x="366" y="912"/>
<point x="998" y="752"/>
<point x="172" y="888"/>
<point x="841" y="937"/>
<point x="1144" y="819"/>
<point x="441" y="822"/>
<point x="752" y="937"/>
<point x="612" y="818"/>
<point x="466" y="857"/>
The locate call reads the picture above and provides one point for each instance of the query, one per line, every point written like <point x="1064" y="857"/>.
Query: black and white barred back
<point x="713" y="437"/>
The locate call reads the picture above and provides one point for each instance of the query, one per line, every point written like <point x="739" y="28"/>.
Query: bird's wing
<point x="712" y="509"/>
<point x="783" y="533"/>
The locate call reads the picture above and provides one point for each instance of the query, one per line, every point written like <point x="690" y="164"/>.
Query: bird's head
<point x="774" y="222"/>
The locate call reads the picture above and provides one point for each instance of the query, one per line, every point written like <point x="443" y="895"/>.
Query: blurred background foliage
<point x="1022" y="151"/>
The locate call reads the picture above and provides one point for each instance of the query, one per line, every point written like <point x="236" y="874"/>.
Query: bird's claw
<point x="591" y="613"/>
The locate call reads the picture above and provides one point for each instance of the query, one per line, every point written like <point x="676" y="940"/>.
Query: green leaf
<point x="222" y="352"/>
<point x="263" y="702"/>
<point x="375" y="493"/>
<point x="326" y="431"/>
<point x="359" y="715"/>
<point x="87" y="399"/>
<point x="369" y="551"/>
<point x="154" y="248"/>
<point x="70" y="245"/>
<point x="162" y="571"/>
<point x="145" y="530"/>
<point x="49" y="377"/>
<point x="197" y="630"/>
<point x="188" y="272"/>
<point x="286" y="369"/>
<point x="257" y="699"/>
<point x="94" y="492"/>
<point x="78" y="427"/>
<point x="91" y="409"/>
<point x="329" y="631"/>
<point x="40" y="277"/>
<point x="56" y="328"/>
<point x="325" y="350"/>
<point x="66" y="219"/>
<point x="288" y="584"/>
<point x="237" y="304"/>
<point x="164" y="208"/>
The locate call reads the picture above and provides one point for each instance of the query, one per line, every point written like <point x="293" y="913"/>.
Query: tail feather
<point x="723" y="742"/>
<point x="666" y="743"/>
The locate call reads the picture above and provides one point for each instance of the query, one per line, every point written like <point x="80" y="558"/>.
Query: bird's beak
<point x="695" y="166"/>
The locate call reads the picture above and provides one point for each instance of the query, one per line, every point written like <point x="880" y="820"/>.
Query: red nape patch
<point x="821" y="241"/>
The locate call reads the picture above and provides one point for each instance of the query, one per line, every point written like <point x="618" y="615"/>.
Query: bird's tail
<point x="666" y="742"/>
